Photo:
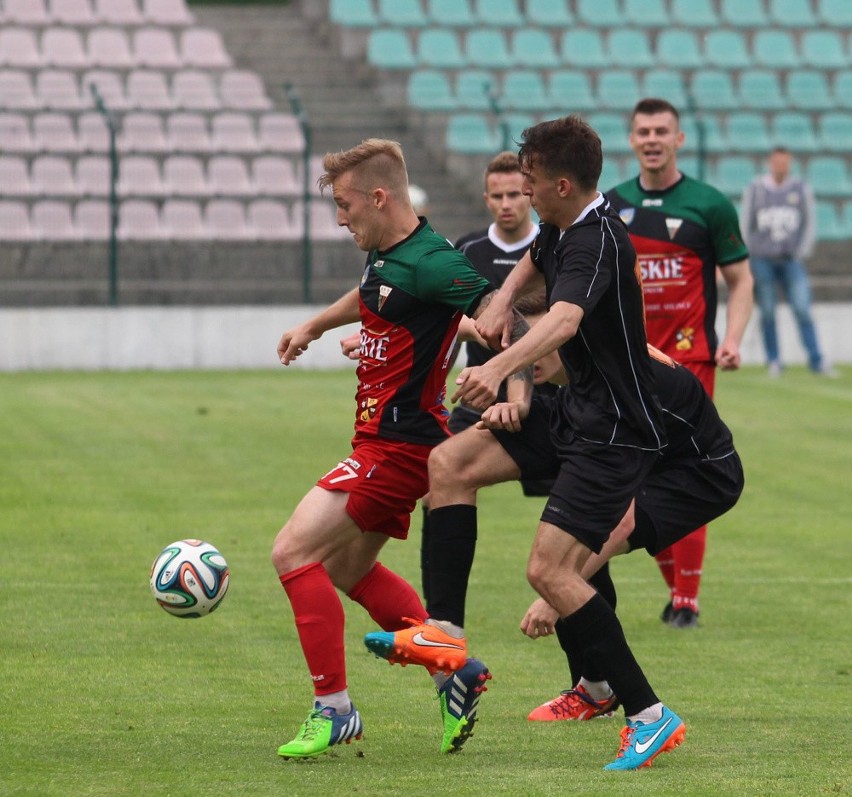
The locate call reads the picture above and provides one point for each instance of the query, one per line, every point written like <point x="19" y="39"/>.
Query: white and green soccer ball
<point x="190" y="578"/>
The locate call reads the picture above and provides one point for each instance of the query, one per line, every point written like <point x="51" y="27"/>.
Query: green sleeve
<point x="446" y="276"/>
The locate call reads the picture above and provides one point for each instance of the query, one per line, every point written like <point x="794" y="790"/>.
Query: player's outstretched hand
<point x="540" y="619"/>
<point x="351" y="346"/>
<point x="477" y="387"/>
<point x="728" y="356"/>
<point x="293" y="343"/>
<point x="508" y="415"/>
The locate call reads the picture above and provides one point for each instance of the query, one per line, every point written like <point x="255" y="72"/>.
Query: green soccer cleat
<point x="459" y="698"/>
<point x="323" y="728"/>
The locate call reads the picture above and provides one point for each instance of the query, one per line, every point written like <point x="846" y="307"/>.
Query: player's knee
<point x="445" y="466"/>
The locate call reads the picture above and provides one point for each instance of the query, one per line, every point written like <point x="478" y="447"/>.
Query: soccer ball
<point x="190" y="578"/>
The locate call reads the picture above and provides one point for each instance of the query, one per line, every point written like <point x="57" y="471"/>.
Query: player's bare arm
<point x="740" y="284"/>
<point x="295" y="341"/>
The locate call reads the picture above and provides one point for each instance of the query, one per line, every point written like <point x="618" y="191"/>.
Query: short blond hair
<point x="377" y="162"/>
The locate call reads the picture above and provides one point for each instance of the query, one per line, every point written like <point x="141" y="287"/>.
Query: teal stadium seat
<point x="835" y="131"/>
<point x="727" y="49"/>
<point x="524" y="90"/>
<point x="776" y="49"/>
<point x="611" y="174"/>
<point x="668" y="83"/>
<point x="744" y="14"/>
<point x="828" y="176"/>
<point x="487" y="47"/>
<point x="808" y="90"/>
<point x="549" y="13"/>
<point x="618" y="89"/>
<point x="404" y="13"/>
<point x="473" y="89"/>
<point x="533" y="47"/>
<point x="629" y="47"/>
<point x="599" y="13"/>
<point x="430" y="90"/>
<point x="792" y="13"/>
<point x="450" y="13"/>
<point x="835" y="13"/>
<point x="440" y="48"/>
<point x="679" y="48"/>
<point x="845" y="218"/>
<point x="747" y="132"/>
<point x="511" y="126"/>
<point x="842" y="88"/>
<point x="713" y="89"/>
<point x="647" y="13"/>
<point x="694" y="13"/>
<point x="707" y="125"/>
<point x="823" y="49"/>
<point x="471" y="134"/>
<point x="390" y="48"/>
<point x="829" y="224"/>
<point x="501" y="13"/>
<point x="583" y="48"/>
<point x="353" y="13"/>
<point x="570" y="91"/>
<point x="761" y="89"/>
<point x="688" y="164"/>
<point x="795" y="131"/>
<point x="613" y="131"/>
<point x="733" y="173"/>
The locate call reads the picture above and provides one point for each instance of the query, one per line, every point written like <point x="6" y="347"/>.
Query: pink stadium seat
<point x="92" y="132"/>
<point x="243" y="90"/>
<point x="187" y="132"/>
<point x="14" y="176"/>
<point x="148" y="90"/>
<point x="138" y="220"/>
<point x="204" y="48"/>
<point x="280" y="132"/>
<point x="233" y="132"/>
<point x="227" y="175"/>
<point x="183" y="175"/>
<point x="92" y="220"/>
<point x="19" y="48"/>
<point x="155" y="48"/>
<point x="139" y="175"/>
<point x="51" y="220"/>
<point x="142" y="131"/>
<point x="109" y="86"/>
<point x="26" y="12"/>
<point x="72" y="12"/>
<point x="52" y="175"/>
<point x="14" y="222"/>
<point x="109" y="47"/>
<point x="273" y="175"/>
<point x="225" y="220"/>
<point x="63" y="47"/>
<point x="93" y="175"/>
<point x="54" y="132"/>
<point x="270" y="220"/>
<point x="57" y="88"/>
<point x="167" y="12"/>
<point x="182" y="219"/>
<point x="15" y="133"/>
<point x="16" y="90"/>
<point x="194" y="90"/>
<point x="118" y="12"/>
<point x="324" y="225"/>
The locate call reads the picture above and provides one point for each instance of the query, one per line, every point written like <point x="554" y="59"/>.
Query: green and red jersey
<point x="680" y="235"/>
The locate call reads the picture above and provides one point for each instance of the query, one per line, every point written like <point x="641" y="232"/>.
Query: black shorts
<point x="680" y="496"/>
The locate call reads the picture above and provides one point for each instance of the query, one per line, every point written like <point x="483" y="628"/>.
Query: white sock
<point x="440" y="679"/>
<point x="339" y="701"/>
<point x="651" y="714"/>
<point x="455" y="631"/>
<point x="597" y="690"/>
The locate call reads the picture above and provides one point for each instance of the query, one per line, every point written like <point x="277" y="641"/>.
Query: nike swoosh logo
<point x="419" y="639"/>
<point x="641" y="747"/>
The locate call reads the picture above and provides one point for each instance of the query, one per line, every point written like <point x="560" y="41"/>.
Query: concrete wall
<point x="133" y="338"/>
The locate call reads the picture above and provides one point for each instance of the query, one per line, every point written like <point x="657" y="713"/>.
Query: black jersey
<point x="593" y="264"/>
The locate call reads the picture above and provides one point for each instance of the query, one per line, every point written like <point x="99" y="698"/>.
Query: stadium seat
<point x="834" y="13"/>
<point x="845" y="219"/>
<point x="14" y="221"/>
<point x="57" y="88"/>
<point x="726" y="49"/>
<point x="92" y="220"/>
<point x="15" y="133"/>
<point x="775" y="49"/>
<point x="450" y="13"/>
<point x="26" y="12"/>
<point x="502" y="13"/>
<point x="72" y="12"/>
<point x="193" y="89"/>
<point x="629" y="47"/>
<point x="570" y="90"/>
<point x="703" y="132"/>
<point x="139" y="175"/>
<point x="828" y="176"/>
<point x="599" y="13"/>
<point x="280" y="132"/>
<point x="613" y="131"/>
<point x="353" y="13"/>
<point x="611" y="174"/>
<point x="509" y="128"/>
<point x="92" y="132"/>
<point x="668" y="83"/>
<point x="227" y="175"/>
<point x="203" y="48"/>
<point x="148" y="90"/>
<point x="51" y="220"/>
<point x="19" y="48"/>
<point x="524" y="90"/>
<point x="155" y="48"/>
<point x="110" y="48"/>
<point x="53" y="132"/>
<point x="138" y="220"/>
<point x="233" y="132"/>
<point x="14" y="176"/>
<point x="795" y="131"/>
<point x="118" y="12"/>
<point x="142" y="131"/>
<point x="842" y="88"/>
<point x="583" y="48"/>
<point x="16" y="91"/>
<point x="733" y="173"/>
<point x="437" y="47"/>
<point x="829" y="224"/>
<point x="226" y="221"/>
<point x="167" y="12"/>
<point x="549" y="13"/>
<point x="792" y="13"/>
<point x="694" y="13"/>
<point x="52" y="175"/>
<point x="470" y="133"/>
<point x="187" y="132"/>
<point x="109" y="86"/>
<point x="92" y="175"/>
<point x="647" y="13"/>
<point x="761" y="89"/>
<point x="324" y="225"/>
<point x="402" y="13"/>
<point x="808" y="90"/>
<point x="474" y="88"/>
<point x="679" y="49"/>
<point x="183" y="175"/>
<point x="747" y="132"/>
<point x="823" y="49"/>
<point x="487" y="47"/>
<point x="273" y="175"/>
<point x="835" y="131"/>
<point x="270" y="220"/>
<point x="713" y="90"/>
<point x="744" y="15"/>
<point x="618" y="89"/>
<point x="243" y="90"/>
<point x="533" y="48"/>
<point x="63" y="48"/>
<point x="390" y="48"/>
<point x="430" y="90"/>
<point x="182" y="219"/>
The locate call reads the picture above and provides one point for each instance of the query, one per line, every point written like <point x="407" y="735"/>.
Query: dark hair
<point x="778" y="148"/>
<point x="652" y="105"/>
<point x="566" y="146"/>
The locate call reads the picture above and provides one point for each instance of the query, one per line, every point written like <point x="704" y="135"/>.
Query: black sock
<point x="452" y="543"/>
<point x="602" y="582"/>
<point x="425" y="574"/>
<point x="595" y="627"/>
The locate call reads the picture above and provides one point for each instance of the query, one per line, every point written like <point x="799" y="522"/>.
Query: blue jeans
<point x="790" y="276"/>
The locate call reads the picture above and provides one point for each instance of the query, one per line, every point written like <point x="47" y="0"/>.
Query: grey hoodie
<point x="778" y="221"/>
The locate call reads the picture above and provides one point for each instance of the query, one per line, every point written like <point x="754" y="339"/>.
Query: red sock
<point x="319" y="622"/>
<point x="689" y="557"/>
<point x="666" y="563"/>
<point x="388" y="598"/>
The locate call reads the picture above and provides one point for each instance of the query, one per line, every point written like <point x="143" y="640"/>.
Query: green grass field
<point x="103" y="693"/>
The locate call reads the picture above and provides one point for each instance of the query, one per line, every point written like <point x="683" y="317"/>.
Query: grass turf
<point x="103" y="693"/>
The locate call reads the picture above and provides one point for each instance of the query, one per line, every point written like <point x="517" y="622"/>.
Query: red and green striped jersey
<point x="412" y="298"/>
<point x="680" y="235"/>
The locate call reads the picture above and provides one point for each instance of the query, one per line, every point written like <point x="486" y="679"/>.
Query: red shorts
<point x="384" y="479"/>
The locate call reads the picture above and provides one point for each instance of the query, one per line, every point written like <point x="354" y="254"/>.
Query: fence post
<point x="307" y="252"/>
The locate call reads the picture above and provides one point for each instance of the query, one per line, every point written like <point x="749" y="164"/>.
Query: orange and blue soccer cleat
<point x="424" y="644"/>
<point x="642" y="742"/>
<point x="574" y="704"/>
